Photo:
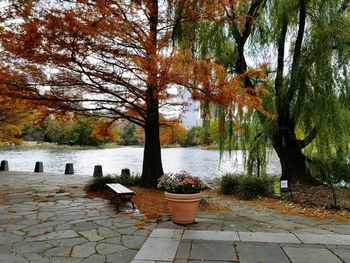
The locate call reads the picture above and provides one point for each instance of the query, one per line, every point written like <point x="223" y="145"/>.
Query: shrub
<point x="98" y="184"/>
<point x="251" y="186"/>
<point x="229" y="184"/>
<point x="130" y="180"/>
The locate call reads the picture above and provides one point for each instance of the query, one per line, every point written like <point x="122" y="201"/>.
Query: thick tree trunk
<point x="289" y="151"/>
<point x="293" y="162"/>
<point x="152" y="167"/>
<point x="288" y="148"/>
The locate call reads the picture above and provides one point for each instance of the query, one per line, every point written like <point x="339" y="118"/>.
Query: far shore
<point x="49" y="145"/>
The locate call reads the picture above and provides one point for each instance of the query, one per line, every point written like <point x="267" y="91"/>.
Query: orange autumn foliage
<point x="13" y="115"/>
<point x="171" y="132"/>
<point x="111" y="51"/>
<point x="103" y="130"/>
<point x="115" y="59"/>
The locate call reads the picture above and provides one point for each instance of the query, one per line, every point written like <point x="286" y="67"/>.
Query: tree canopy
<point x="115" y="59"/>
<point x="303" y="48"/>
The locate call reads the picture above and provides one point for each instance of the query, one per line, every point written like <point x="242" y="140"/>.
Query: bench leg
<point x="129" y="201"/>
<point x="133" y="205"/>
<point x="117" y="208"/>
<point x="121" y="199"/>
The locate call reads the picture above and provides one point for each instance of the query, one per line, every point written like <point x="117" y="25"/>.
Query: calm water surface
<point x="199" y="162"/>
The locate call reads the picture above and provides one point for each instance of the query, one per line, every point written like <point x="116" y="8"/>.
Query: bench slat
<point x="120" y="189"/>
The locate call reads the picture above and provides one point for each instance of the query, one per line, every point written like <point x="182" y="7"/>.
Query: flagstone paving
<point x="48" y="218"/>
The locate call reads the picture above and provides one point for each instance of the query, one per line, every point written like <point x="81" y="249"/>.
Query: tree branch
<point x="308" y="139"/>
<point x="297" y="51"/>
<point x="280" y="57"/>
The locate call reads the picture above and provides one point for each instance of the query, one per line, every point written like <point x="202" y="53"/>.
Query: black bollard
<point x="98" y="171"/>
<point x="125" y="172"/>
<point x="4" y="166"/>
<point x="69" y="169"/>
<point x="39" y="167"/>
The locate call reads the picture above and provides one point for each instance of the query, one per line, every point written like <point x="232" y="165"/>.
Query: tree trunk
<point x="293" y="162"/>
<point x="152" y="167"/>
<point x="288" y="148"/>
<point x="289" y="151"/>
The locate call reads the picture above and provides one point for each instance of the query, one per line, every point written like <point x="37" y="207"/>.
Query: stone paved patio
<point x="47" y="218"/>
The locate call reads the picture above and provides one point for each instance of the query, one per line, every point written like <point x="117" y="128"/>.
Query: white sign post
<point x="284" y="184"/>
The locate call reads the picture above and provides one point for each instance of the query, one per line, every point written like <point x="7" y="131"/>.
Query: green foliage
<point x="214" y="132"/>
<point x="204" y="135"/>
<point x="252" y="186"/>
<point x="315" y="91"/>
<point x="246" y="186"/>
<point x="98" y="184"/>
<point x="131" y="180"/>
<point x="331" y="171"/>
<point x="193" y="136"/>
<point x="229" y="184"/>
<point x="79" y="133"/>
<point x="73" y="132"/>
<point x="204" y="202"/>
<point x="55" y="132"/>
<point x="128" y="136"/>
<point x="33" y="133"/>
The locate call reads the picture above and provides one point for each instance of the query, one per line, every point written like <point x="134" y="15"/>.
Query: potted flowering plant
<point x="182" y="191"/>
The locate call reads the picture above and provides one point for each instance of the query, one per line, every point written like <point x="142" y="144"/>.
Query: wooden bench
<point x="122" y="193"/>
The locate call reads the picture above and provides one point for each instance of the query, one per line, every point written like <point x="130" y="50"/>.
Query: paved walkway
<point x="180" y="246"/>
<point x="47" y="218"/>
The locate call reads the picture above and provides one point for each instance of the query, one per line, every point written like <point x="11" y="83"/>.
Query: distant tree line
<point x="93" y="131"/>
<point x="81" y="131"/>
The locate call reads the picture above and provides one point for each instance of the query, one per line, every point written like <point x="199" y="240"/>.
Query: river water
<point x="199" y="162"/>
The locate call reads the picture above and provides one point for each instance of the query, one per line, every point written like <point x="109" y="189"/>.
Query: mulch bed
<point x="152" y="203"/>
<point x="309" y="201"/>
<point x="319" y="196"/>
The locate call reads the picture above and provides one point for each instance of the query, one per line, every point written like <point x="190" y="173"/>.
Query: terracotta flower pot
<point x="183" y="207"/>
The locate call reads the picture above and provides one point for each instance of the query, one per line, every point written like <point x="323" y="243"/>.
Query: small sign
<point x="284" y="184"/>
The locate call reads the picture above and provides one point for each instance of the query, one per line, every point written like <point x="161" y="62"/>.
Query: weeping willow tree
<point x="223" y="37"/>
<point x="309" y="89"/>
<point x="306" y="45"/>
<point x="206" y="40"/>
<point x="310" y="84"/>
